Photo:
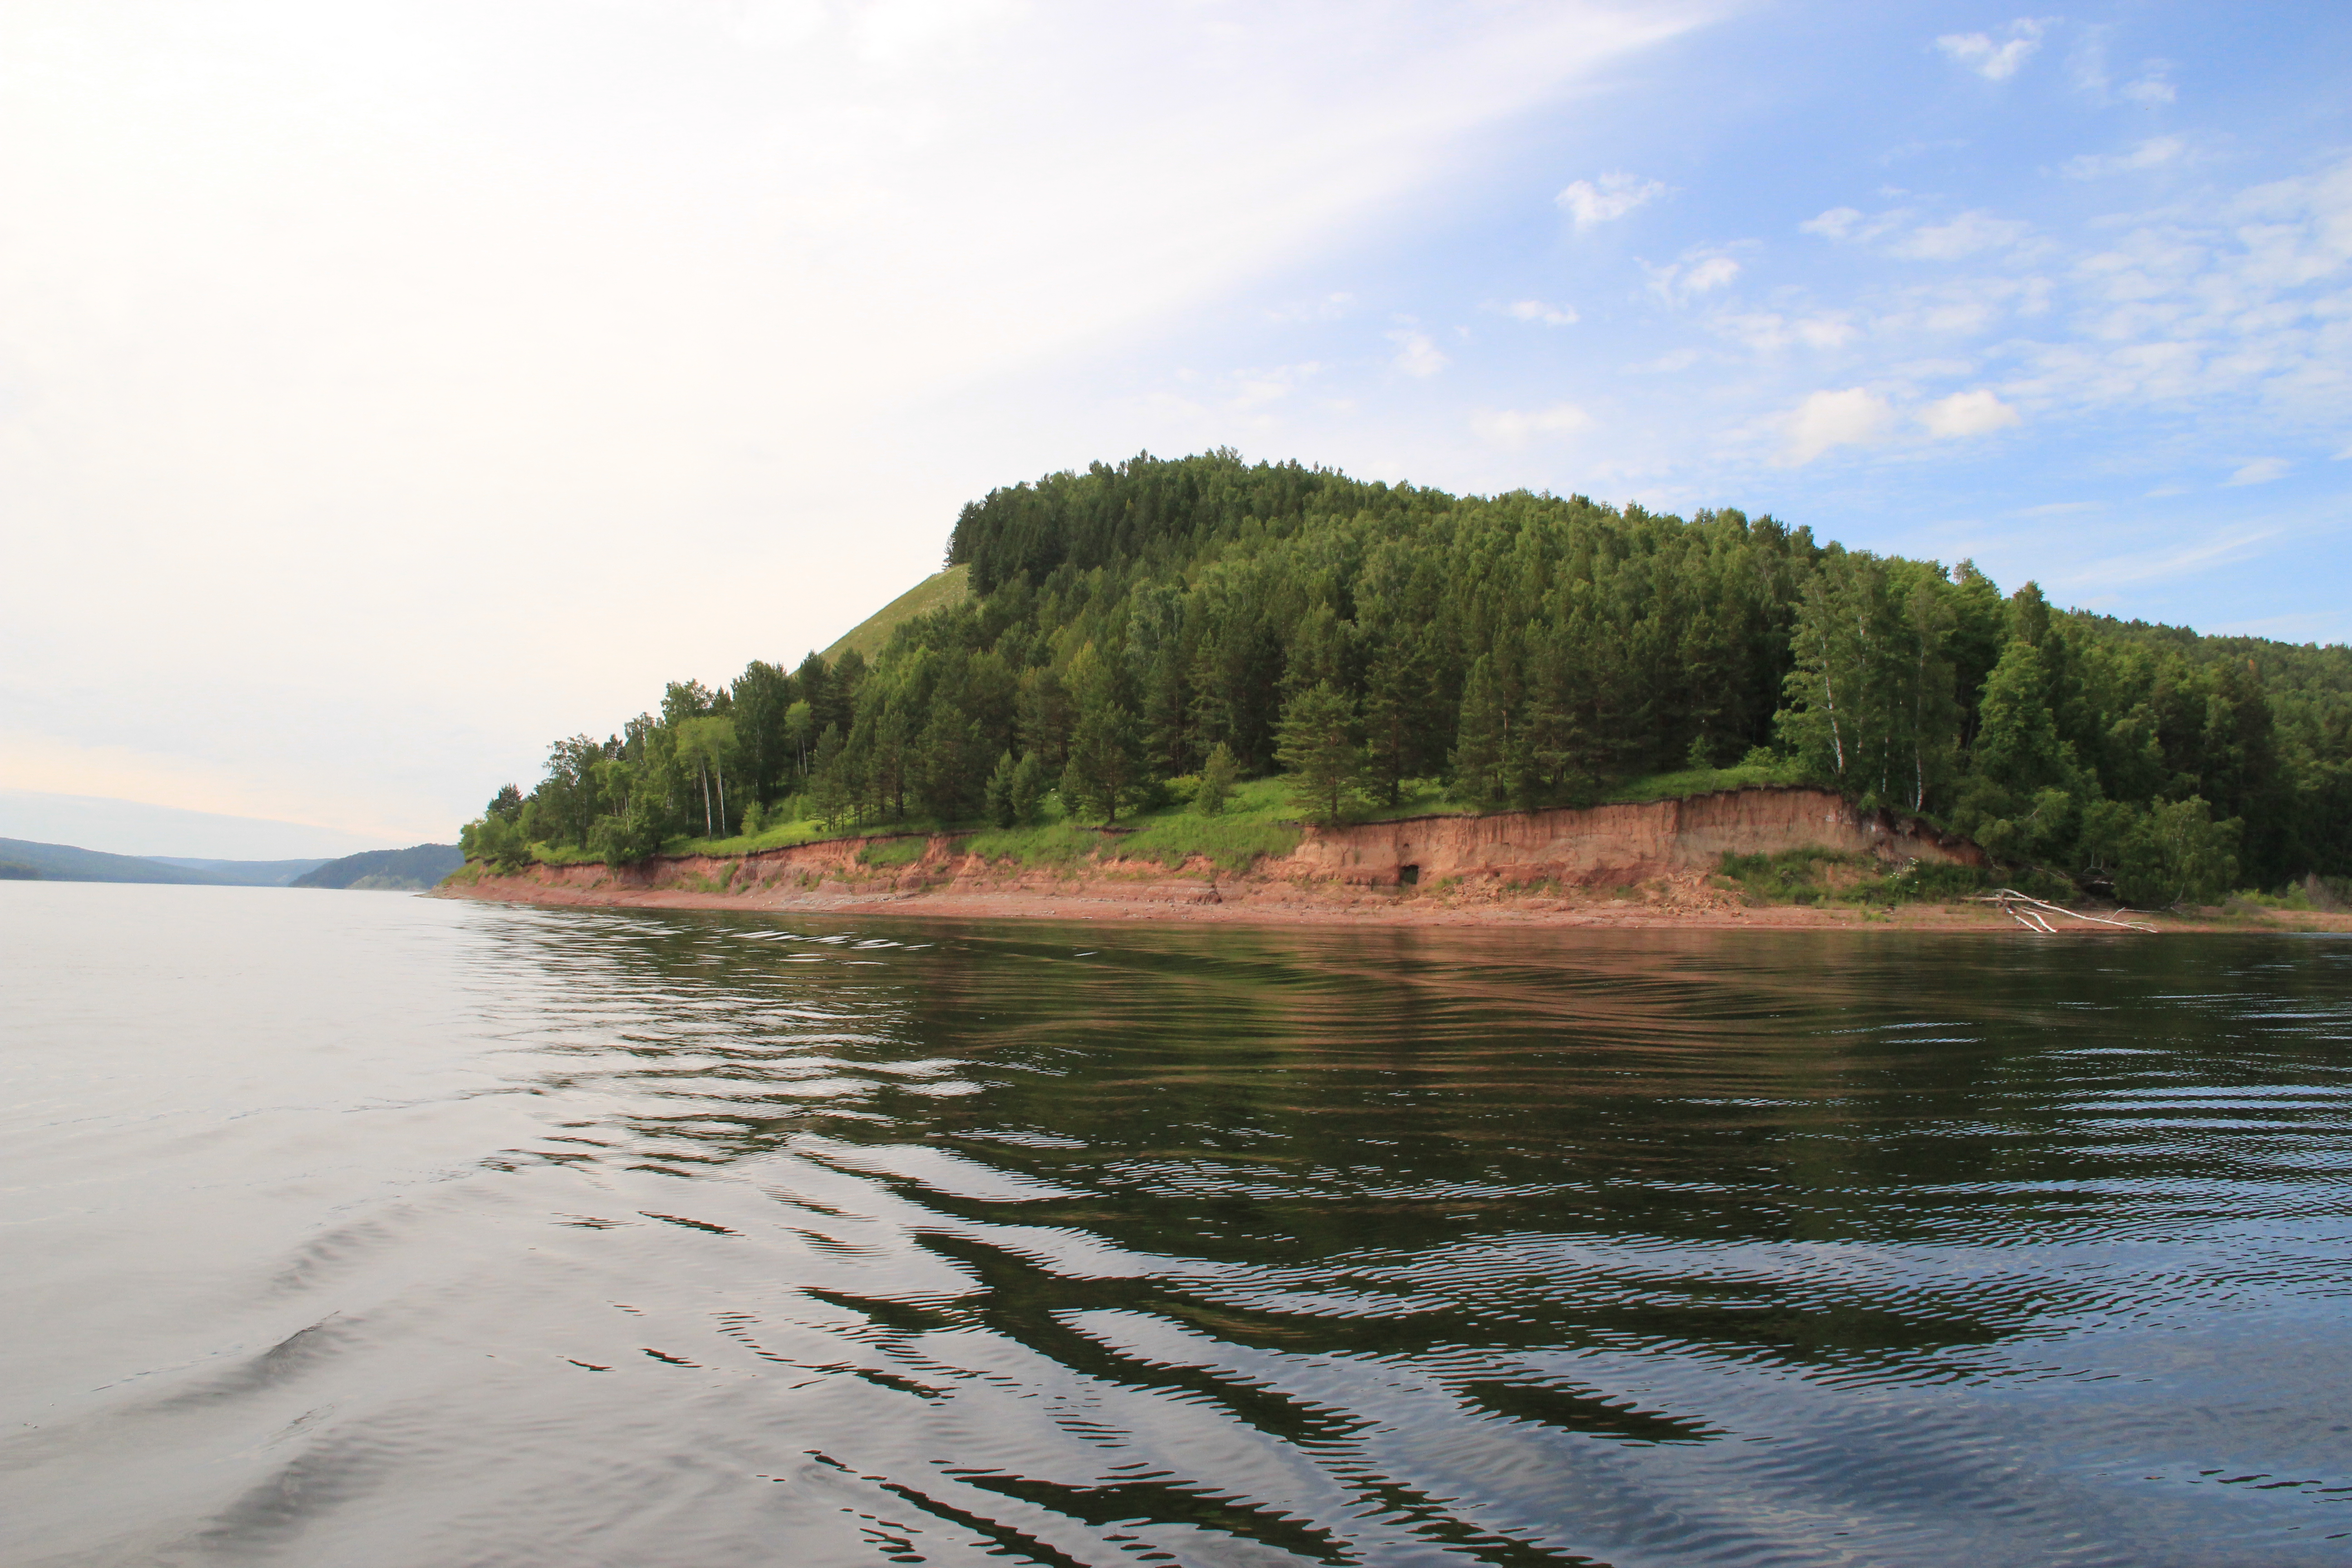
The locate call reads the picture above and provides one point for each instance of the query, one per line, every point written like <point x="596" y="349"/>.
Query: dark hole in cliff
<point x="1408" y="875"/>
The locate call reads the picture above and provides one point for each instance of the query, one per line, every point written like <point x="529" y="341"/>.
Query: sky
<point x="388" y="389"/>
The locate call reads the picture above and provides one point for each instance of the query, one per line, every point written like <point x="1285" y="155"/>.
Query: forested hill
<point x="419" y="866"/>
<point x="1132" y="629"/>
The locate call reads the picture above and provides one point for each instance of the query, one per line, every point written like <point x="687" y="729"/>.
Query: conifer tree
<point x="1317" y="745"/>
<point x="1106" y="766"/>
<point x="1027" y="790"/>
<point x="1000" y="801"/>
<point x="1482" y="749"/>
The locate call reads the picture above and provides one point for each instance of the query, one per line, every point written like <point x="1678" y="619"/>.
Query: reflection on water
<point x="744" y="1242"/>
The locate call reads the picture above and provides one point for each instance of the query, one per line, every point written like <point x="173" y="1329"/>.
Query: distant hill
<point x="939" y="591"/>
<point x="404" y="870"/>
<point x="246" y="873"/>
<point x="65" y="863"/>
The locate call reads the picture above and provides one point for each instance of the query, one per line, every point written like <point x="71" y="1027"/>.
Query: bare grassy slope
<point x="940" y="589"/>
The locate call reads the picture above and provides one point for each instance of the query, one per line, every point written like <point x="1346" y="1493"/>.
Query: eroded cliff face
<point x="1593" y="847"/>
<point x="1612" y="846"/>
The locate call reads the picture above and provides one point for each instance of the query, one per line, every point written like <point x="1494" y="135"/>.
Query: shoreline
<point x="1633" y="866"/>
<point x="1670" y="905"/>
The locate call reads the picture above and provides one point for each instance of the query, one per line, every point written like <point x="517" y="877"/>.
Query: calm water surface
<point x="361" y="1229"/>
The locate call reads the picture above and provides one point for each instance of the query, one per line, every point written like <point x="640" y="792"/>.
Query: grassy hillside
<point x="939" y="591"/>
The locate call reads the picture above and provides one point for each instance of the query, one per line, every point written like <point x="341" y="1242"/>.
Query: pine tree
<point x="1106" y="764"/>
<point x="1318" y="744"/>
<point x="1482" y="746"/>
<point x="1026" y="793"/>
<point x="1001" y="810"/>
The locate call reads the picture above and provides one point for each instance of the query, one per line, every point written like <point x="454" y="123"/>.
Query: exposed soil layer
<point x="1645" y="865"/>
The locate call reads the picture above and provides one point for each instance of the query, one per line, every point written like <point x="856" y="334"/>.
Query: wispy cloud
<point x="2151" y="153"/>
<point x="1698" y="273"/>
<point x="1769" y="331"/>
<point x="1995" y="60"/>
<point x="2088" y="63"/>
<point x="2152" y="89"/>
<point x="1612" y="196"/>
<point x="1254" y="388"/>
<point x="2177" y="561"/>
<point x="1511" y="427"/>
<point x="1835" y="223"/>
<point x="2260" y="471"/>
<point x="1416" y="354"/>
<point x="1327" y="307"/>
<point x="1966" y="234"/>
<point x="1539" y="311"/>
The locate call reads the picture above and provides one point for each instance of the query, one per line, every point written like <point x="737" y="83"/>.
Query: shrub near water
<point x="1812" y="876"/>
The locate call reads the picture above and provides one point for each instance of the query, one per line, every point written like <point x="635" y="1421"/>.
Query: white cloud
<point x="1965" y="235"/>
<point x="1537" y="310"/>
<point x="2151" y="153"/>
<point x="1712" y="273"/>
<point x="1694" y="274"/>
<point x="1510" y="427"/>
<point x="1328" y="308"/>
<point x="1590" y="202"/>
<point x="1769" y="331"/>
<point x="1827" y="419"/>
<point x="1671" y="361"/>
<point x="1974" y="412"/>
<point x="1835" y="223"/>
<point x="2260" y="471"/>
<point x="2151" y="88"/>
<point x="1991" y="60"/>
<point x="2088" y="61"/>
<point x="1254" y="388"/>
<point x="1416" y="355"/>
<point x="2173" y="561"/>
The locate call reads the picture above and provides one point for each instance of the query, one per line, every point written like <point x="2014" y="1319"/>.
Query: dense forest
<point x="1134" y="631"/>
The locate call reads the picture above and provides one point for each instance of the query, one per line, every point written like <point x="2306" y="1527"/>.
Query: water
<point x="362" y="1230"/>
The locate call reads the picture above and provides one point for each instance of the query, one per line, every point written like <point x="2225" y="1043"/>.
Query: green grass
<point x="1230" y="846"/>
<point x="1703" y="781"/>
<point x="939" y="590"/>
<point x="1260" y="820"/>
<point x="1058" y="843"/>
<point x="885" y="852"/>
<point x="1827" y="876"/>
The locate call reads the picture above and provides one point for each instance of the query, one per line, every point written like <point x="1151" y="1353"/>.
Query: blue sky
<point x="2071" y="296"/>
<point x="386" y="389"/>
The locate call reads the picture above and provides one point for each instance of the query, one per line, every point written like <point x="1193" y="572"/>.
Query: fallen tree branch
<point x="2002" y="896"/>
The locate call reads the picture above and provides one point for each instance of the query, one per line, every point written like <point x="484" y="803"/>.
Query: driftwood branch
<point x="2033" y="918"/>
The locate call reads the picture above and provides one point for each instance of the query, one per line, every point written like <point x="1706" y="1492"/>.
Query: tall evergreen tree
<point x="1318" y="747"/>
